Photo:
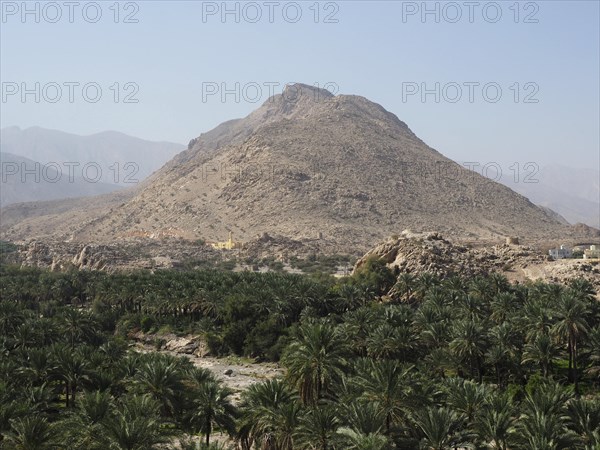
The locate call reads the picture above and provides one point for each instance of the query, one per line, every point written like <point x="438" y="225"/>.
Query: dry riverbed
<point x="236" y="373"/>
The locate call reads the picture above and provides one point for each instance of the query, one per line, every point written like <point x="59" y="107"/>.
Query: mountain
<point x="573" y="193"/>
<point x="24" y="180"/>
<point x="108" y="151"/>
<point x="309" y="166"/>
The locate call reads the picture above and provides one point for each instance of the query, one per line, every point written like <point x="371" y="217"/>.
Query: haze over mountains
<point x="306" y="165"/>
<point x="24" y="180"/>
<point x="572" y="193"/>
<point x="40" y="164"/>
<point x="108" y="150"/>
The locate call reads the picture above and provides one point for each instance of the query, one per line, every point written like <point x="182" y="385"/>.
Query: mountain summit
<point x="311" y="165"/>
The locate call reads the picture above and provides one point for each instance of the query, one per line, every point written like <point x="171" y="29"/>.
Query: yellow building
<point x="229" y="244"/>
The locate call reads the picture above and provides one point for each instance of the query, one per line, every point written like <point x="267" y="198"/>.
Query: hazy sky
<point x="490" y="69"/>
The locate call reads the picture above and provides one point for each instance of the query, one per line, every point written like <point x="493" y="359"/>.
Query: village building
<point x="592" y="253"/>
<point x="560" y="253"/>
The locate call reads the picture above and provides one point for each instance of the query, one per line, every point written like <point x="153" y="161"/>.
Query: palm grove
<point x="373" y="361"/>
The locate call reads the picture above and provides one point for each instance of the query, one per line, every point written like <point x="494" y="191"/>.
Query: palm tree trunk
<point x="208" y="432"/>
<point x="318" y="382"/>
<point x="545" y="369"/>
<point x="576" y="381"/>
<point x="570" y="348"/>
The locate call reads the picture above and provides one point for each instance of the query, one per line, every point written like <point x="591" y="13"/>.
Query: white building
<point x="560" y="253"/>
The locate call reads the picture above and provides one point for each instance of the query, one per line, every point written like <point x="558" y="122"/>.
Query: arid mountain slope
<point x="311" y="165"/>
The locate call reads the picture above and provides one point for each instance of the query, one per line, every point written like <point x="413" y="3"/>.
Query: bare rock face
<point x="58" y="256"/>
<point x="586" y="230"/>
<point x="133" y="254"/>
<point x="191" y="345"/>
<point x="428" y="252"/>
<point x="37" y="254"/>
<point x="89" y="258"/>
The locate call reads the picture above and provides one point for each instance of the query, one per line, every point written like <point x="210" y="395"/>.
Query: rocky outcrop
<point x="135" y="254"/>
<point x="430" y="252"/>
<point x="417" y="253"/>
<point x="184" y="345"/>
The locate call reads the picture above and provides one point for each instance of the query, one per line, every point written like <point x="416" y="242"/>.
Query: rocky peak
<point x="304" y="92"/>
<point x="295" y="101"/>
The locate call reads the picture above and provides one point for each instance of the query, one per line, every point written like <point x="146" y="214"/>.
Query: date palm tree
<point x="570" y="328"/>
<point x="213" y="408"/>
<point x="162" y="378"/>
<point x="495" y="423"/>
<point x="11" y="316"/>
<point x="583" y="289"/>
<point x="536" y="318"/>
<point x="84" y="426"/>
<point x="543" y="420"/>
<point x="31" y="433"/>
<point x="594" y="352"/>
<point x="503" y="350"/>
<point x="269" y="416"/>
<point x="387" y="341"/>
<point x="356" y="328"/>
<point x="423" y="283"/>
<point x="541" y="352"/>
<point x="404" y="287"/>
<point x="349" y="298"/>
<point x="317" y="428"/>
<point x="439" y="428"/>
<point x="465" y="397"/>
<point x="315" y="361"/>
<point x="469" y="344"/>
<point x="70" y="368"/>
<point x="38" y="366"/>
<point x="135" y="424"/>
<point x="502" y="306"/>
<point x="584" y="419"/>
<point x="355" y="440"/>
<point x="77" y="326"/>
<point x="387" y="384"/>
<point x="362" y="416"/>
<point x="483" y="289"/>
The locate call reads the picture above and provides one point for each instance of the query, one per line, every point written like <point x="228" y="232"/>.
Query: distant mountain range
<point x="24" y="180"/>
<point x="40" y="164"/>
<point x="307" y="165"/>
<point x="110" y="151"/>
<point x="572" y="193"/>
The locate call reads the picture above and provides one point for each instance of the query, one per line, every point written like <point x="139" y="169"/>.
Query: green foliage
<point x="6" y="248"/>
<point x="147" y="323"/>
<point x="315" y="361"/>
<point x="327" y="264"/>
<point x="441" y="363"/>
<point x="375" y="274"/>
